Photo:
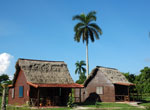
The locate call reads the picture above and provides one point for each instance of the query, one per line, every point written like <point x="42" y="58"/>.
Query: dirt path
<point x="136" y="104"/>
<point x="94" y="108"/>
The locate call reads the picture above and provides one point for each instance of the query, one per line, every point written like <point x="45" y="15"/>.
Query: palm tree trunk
<point x="3" y="104"/>
<point x="87" y="60"/>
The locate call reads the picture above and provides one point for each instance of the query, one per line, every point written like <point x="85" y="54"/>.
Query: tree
<point x="85" y="29"/>
<point x="143" y="81"/>
<point x="3" y="104"/>
<point x="130" y="77"/>
<point x="81" y="71"/>
<point x="4" y="78"/>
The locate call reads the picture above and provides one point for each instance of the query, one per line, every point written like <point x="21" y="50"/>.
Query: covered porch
<point x="122" y="91"/>
<point x="51" y="94"/>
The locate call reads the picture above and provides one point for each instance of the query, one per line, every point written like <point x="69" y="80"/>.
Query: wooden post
<point x="38" y="97"/>
<point x="3" y="106"/>
<point x="128" y="94"/>
<point x="71" y="92"/>
<point x="80" y="95"/>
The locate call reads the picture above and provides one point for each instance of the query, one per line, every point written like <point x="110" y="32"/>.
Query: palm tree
<point x="81" y="71"/>
<point x="79" y="67"/>
<point x="85" y="29"/>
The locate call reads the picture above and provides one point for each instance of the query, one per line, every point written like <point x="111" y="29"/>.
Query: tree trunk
<point x="3" y="106"/>
<point x="87" y="60"/>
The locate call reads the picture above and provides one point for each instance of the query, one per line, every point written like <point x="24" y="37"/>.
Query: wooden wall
<point x="21" y="81"/>
<point x="89" y="92"/>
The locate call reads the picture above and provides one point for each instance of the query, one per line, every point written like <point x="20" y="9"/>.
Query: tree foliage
<point x="81" y="71"/>
<point x="4" y="78"/>
<point x="141" y="81"/>
<point x="86" y="28"/>
<point x="131" y="77"/>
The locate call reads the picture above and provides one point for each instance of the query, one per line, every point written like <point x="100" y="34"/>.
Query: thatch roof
<point x="111" y="74"/>
<point x="43" y="72"/>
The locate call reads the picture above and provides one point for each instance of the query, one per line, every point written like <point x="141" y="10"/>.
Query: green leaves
<point x="81" y="71"/>
<point x="142" y="80"/>
<point x="86" y="29"/>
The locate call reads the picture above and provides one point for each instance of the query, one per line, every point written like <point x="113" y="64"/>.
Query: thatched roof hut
<point x="106" y="85"/>
<point x="43" y="72"/>
<point x="46" y="83"/>
<point x="112" y="74"/>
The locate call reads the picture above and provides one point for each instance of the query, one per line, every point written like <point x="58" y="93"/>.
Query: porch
<point x="122" y="92"/>
<point x="50" y="94"/>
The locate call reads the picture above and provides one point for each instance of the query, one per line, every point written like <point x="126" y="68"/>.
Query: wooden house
<point x="104" y="84"/>
<point x="41" y="83"/>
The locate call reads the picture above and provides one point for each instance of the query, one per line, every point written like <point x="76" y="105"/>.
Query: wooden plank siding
<point x="98" y="81"/>
<point x="21" y="81"/>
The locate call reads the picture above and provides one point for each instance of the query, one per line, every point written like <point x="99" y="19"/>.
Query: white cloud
<point x="5" y="60"/>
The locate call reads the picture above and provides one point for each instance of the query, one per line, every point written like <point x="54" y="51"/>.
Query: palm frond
<point x="79" y="17"/>
<point x="85" y="35"/>
<point x="76" y="71"/>
<point x="98" y="29"/>
<point x="95" y="33"/>
<point x="78" y="34"/>
<point x="77" y="26"/>
<point x="82" y="62"/>
<point x="83" y="69"/>
<point x="91" y="17"/>
<point x="91" y="35"/>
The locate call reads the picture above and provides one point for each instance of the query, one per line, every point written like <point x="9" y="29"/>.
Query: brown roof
<point x="111" y="74"/>
<point x="73" y="85"/>
<point x="43" y="72"/>
<point x="125" y="84"/>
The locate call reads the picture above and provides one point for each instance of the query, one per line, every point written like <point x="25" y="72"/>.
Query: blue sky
<point x="43" y="30"/>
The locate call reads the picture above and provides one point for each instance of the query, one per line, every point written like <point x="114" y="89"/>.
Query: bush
<point x="70" y="101"/>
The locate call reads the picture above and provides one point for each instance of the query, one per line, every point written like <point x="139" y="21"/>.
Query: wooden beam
<point x="38" y="97"/>
<point x="80" y="94"/>
<point x="128" y="94"/>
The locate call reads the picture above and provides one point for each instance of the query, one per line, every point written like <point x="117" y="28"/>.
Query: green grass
<point x="145" y="104"/>
<point x="112" y="106"/>
<point x="27" y="108"/>
<point x="115" y="106"/>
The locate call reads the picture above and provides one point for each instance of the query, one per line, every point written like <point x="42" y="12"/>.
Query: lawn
<point x="101" y="106"/>
<point x="114" y="106"/>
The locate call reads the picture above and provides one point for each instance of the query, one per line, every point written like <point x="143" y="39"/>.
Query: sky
<point x="43" y="30"/>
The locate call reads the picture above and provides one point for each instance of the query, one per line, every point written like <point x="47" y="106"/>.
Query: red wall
<point x="21" y="81"/>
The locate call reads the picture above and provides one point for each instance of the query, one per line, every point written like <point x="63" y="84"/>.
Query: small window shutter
<point x="20" y="91"/>
<point x="99" y="90"/>
<point x="13" y="93"/>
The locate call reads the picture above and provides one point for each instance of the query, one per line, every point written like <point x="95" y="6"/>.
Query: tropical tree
<point x="4" y="78"/>
<point x="86" y="29"/>
<point x="81" y="71"/>
<point x="143" y="81"/>
<point x="80" y="67"/>
<point x="131" y="77"/>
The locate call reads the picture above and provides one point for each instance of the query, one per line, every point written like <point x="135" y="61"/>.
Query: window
<point x="20" y="91"/>
<point x="13" y="93"/>
<point x="99" y="90"/>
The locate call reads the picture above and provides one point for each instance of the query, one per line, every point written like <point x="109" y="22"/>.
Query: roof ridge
<point x="106" y="67"/>
<point x="38" y="60"/>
